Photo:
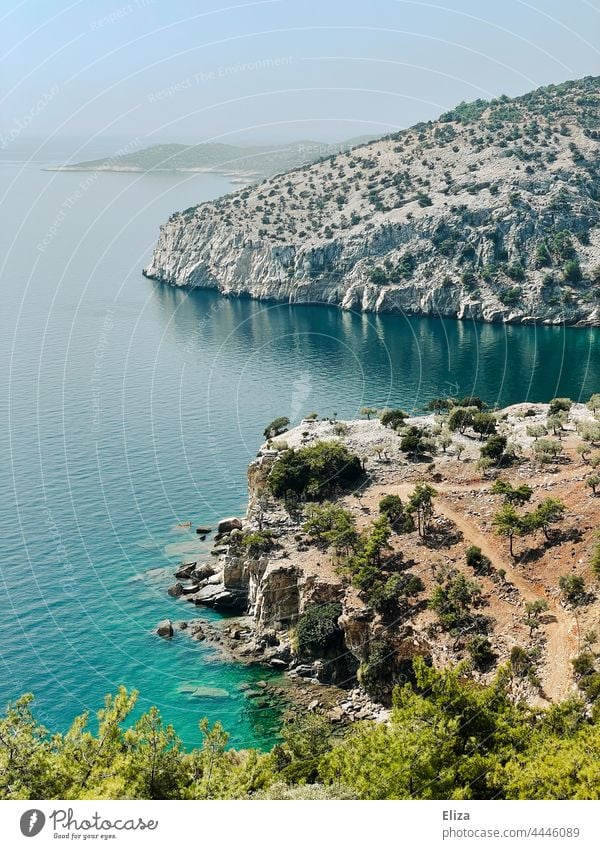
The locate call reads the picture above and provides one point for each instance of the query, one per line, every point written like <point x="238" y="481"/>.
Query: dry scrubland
<point x="490" y="212"/>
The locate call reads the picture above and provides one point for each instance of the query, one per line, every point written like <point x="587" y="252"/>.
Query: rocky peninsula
<point x="489" y="213"/>
<point x="463" y="535"/>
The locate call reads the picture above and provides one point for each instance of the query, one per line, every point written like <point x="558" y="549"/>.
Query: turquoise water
<point x="129" y="407"/>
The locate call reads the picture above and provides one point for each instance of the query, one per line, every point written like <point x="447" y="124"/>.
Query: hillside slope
<point x="490" y="212"/>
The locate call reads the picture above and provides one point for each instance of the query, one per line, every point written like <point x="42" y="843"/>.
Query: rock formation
<point x="489" y="213"/>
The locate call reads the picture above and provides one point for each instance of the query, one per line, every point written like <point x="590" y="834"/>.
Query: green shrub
<point x="572" y="587"/>
<point x="329" y="524"/>
<point x="584" y="663"/>
<point x="453" y="600"/>
<point x="481" y="651"/>
<point x="317" y="630"/>
<point x="276" y="427"/>
<point x="572" y="271"/>
<point x="559" y="405"/>
<point x="315" y="471"/>
<point x="393" y="418"/>
<point x="258" y="542"/>
<point x="392" y="507"/>
<point x="494" y="448"/>
<point x="477" y="561"/>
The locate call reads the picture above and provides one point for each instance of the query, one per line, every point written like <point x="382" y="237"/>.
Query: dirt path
<point x="560" y="627"/>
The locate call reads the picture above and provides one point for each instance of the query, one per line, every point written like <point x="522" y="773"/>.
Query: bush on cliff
<point x="314" y="472"/>
<point x="276" y="427"/>
<point x="330" y="525"/>
<point x="317" y="630"/>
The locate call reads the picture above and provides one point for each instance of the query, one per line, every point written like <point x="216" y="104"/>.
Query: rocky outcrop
<point x="490" y="213"/>
<point x="165" y="629"/>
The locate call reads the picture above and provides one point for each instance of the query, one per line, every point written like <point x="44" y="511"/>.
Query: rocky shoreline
<point x="268" y="591"/>
<point x="240" y="638"/>
<point x="473" y="216"/>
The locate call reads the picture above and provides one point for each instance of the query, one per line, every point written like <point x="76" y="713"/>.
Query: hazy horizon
<point x="95" y="77"/>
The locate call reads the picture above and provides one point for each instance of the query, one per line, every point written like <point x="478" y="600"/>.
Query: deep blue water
<point x="128" y="407"/>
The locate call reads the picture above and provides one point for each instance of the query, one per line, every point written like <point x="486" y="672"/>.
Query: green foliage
<point x="368" y="412"/>
<point x="512" y="495"/>
<point x="558" y="405"/>
<point x="561" y="245"/>
<point x="533" y="610"/>
<point x="593" y="481"/>
<point x="379" y="667"/>
<point x="314" y="471"/>
<point x="542" y="255"/>
<point x="420" y="503"/>
<point x="546" y="450"/>
<point x="399" y="518"/>
<point x="548" y="512"/>
<point x="393" y="418"/>
<point x="584" y="663"/>
<point x="448" y="739"/>
<point x="508" y="523"/>
<point x="317" y="630"/>
<point x="466" y="113"/>
<point x="481" y="652"/>
<point x="589" y="432"/>
<point x="477" y="561"/>
<point x="453" y="599"/>
<point x="595" y="559"/>
<point x="472" y="401"/>
<point x="365" y="566"/>
<point x="378" y="276"/>
<point x="590" y="684"/>
<point x="441" y="405"/>
<point x="258" y="542"/>
<point x="523" y="663"/>
<point x="572" y="587"/>
<point x="484" y="424"/>
<point x="536" y="431"/>
<point x="415" y="441"/>
<point x="276" y="427"/>
<point x="460" y="419"/>
<point x="330" y="525"/>
<point x="494" y="448"/>
<point x="594" y="402"/>
<point x="572" y="271"/>
<point x="390" y="595"/>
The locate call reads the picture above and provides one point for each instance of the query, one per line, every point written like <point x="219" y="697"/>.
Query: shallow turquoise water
<point x="130" y="407"/>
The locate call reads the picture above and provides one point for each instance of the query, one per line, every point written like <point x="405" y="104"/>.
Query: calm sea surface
<point x="128" y="407"/>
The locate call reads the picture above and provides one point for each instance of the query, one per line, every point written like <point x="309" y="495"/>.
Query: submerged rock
<point x="210" y="693"/>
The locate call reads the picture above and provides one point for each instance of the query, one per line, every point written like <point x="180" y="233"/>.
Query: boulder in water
<point x="227" y="525"/>
<point x="165" y="629"/>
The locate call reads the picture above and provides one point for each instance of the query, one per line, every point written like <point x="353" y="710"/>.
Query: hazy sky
<point x="148" y="71"/>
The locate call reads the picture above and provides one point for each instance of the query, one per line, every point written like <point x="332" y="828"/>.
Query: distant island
<point x="246" y="162"/>
<point x="489" y="213"/>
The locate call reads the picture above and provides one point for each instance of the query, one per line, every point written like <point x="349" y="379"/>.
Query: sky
<point x="113" y="76"/>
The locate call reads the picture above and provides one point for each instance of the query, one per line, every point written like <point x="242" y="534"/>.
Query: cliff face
<point x="281" y="587"/>
<point x="489" y="213"/>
